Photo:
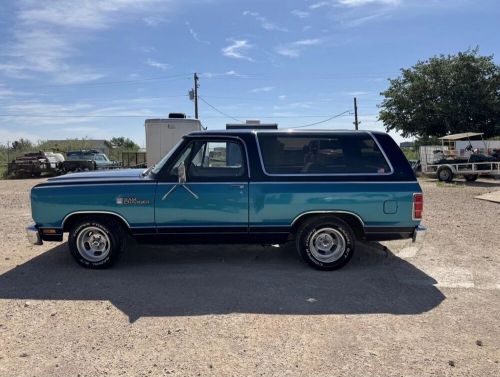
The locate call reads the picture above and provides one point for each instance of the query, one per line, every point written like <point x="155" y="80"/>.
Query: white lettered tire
<point x="96" y="242"/>
<point x="325" y="243"/>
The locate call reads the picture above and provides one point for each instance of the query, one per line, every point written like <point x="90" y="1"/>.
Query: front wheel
<point x="445" y="174"/>
<point x="96" y="243"/>
<point x="325" y="243"/>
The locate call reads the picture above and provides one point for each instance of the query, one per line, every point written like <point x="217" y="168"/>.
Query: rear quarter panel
<point x="279" y="203"/>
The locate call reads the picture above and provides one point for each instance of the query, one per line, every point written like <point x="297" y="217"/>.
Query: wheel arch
<point x="352" y="219"/>
<point x="72" y="217"/>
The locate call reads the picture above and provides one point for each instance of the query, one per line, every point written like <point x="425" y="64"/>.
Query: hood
<point x="101" y="176"/>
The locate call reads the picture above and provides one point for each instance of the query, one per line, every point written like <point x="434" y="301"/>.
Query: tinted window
<point x="342" y="153"/>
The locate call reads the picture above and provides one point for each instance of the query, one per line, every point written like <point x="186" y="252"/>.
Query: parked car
<point x="326" y="190"/>
<point x="87" y="160"/>
<point x="35" y="164"/>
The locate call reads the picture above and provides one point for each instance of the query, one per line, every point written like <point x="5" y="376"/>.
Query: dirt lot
<point x="227" y="311"/>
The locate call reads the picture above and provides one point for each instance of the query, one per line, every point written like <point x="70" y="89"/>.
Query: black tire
<point x="445" y="174"/>
<point x="318" y="227"/>
<point x="113" y="234"/>
<point x="471" y="177"/>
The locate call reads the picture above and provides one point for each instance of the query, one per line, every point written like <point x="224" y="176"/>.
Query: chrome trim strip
<point x="323" y="212"/>
<point x="203" y="226"/>
<point x="94" y="212"/>
<point x="206" y="183"/>
<point x="88" y="184"/>
<point x="325" y="174"/>
<point x="331" y="182"/>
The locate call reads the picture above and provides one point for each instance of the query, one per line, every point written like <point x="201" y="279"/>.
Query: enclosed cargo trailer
<point x="163" y="134"/>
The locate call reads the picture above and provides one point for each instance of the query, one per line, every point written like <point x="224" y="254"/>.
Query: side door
<point x="214" y="198"/>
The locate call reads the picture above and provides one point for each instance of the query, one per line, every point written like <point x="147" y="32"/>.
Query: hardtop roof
<point x="280" y="131"/>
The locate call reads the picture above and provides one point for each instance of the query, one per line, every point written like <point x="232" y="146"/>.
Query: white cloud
<point x="153" y="20"/>
<point x="157" y="64"/>
<point x="282" y="97"/>
<point x="307" y="42"/>
<point x="194" y="34"/>
<point x="356" y="93"/>
<point x="357" y="3"/>
<point x="47" y="34"/>
<point x="294" y="49"/>
<point x="236" y="49"/>
<point x="262" y="89"/>
<point x="264" y="22"/>
<point x="295" y="105"/>
<point x="210" y="75"/>
<point x="5" y="92"/>
<point x="300" y="13"/>
<point x="89" y="14"/>
<point x="352" y="3"/>
<point x="320" y="4"/>
<point x="287" y="51"/>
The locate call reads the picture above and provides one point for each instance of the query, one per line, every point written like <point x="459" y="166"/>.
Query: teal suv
<point x="323" y="190"/>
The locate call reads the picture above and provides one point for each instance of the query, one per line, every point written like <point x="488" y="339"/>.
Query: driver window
<point x="216" y="160"/>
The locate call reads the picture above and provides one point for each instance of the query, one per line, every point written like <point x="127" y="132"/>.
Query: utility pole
<point x="196" y="95"/>
<point x="356" y="122"/>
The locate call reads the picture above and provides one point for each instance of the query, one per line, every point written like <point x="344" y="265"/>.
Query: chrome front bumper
<point x="419" y="234"/>
<point x="33" y="235"/>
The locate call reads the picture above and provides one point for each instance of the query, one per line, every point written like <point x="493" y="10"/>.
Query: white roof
<point x="464" y="135"/>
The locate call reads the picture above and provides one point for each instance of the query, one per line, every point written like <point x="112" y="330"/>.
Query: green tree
<point x="22" y="145"/>
<point x="444" y="95"/>
<point x="124" y="143"/>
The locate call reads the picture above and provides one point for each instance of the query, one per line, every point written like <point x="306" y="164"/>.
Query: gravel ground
<point x="252" y="310"/>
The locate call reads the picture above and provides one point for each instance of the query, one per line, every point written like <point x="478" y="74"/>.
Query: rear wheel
<point x="96" y="242"/>
<point x="325" y="243"/>
<point x="445" y="174"/>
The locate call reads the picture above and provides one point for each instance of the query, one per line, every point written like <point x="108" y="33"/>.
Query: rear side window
<point x="309" y="154"/>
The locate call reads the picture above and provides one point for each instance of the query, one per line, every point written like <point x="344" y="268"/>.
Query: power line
<point x="324" y="121"/>
<point x="162" y="115"/>
<point x="219" y="111"/>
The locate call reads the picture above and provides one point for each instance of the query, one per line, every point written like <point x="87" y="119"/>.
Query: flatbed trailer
<point x="469" y="170"/>
<point x="445" y="162"/>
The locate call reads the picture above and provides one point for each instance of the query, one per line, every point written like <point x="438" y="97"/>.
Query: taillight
<point x="418" y="206"/>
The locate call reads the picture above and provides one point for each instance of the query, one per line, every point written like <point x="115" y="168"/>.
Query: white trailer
<point x="163" y="134"/>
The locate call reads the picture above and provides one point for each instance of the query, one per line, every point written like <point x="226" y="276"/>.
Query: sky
<point x="99" y="68"/>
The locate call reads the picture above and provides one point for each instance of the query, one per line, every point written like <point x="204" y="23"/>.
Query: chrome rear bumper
<point x="419" y="234"/>
<point x="33" y="235"/>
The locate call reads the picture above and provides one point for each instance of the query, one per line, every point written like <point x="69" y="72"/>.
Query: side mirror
<point x="181" y="173"/>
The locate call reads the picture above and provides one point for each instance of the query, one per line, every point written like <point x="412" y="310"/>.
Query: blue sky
<point x="290" y="62"/>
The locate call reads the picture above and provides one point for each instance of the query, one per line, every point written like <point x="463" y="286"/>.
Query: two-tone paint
<point x="258" y="207"/>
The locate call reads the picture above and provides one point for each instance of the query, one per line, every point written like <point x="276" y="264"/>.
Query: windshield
<point x="155" y="169"/>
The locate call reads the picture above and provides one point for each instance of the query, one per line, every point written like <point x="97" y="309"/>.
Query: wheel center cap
<point x="324" y="242"/>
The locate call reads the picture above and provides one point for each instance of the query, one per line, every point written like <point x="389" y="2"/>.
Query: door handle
<point x="238" y="186"/>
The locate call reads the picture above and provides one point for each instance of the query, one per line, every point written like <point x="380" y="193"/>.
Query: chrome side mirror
<point x="181" y="173"/>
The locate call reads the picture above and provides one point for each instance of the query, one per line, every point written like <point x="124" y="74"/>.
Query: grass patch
<point x="451" y="184"/>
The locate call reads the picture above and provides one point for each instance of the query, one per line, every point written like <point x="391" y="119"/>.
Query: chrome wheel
<point x="327" y="245"/>
<point x="93" y="244"/>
